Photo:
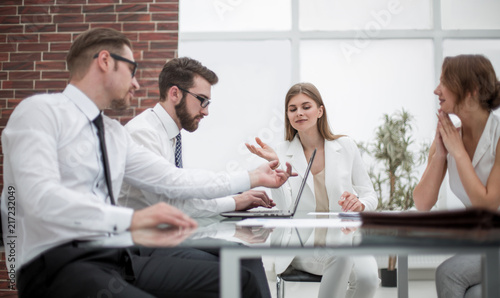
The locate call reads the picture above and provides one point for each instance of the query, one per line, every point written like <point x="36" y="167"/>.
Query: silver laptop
<point x="275" y="213"/>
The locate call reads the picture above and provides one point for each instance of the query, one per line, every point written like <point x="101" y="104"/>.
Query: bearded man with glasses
<point x="185" y="91"/>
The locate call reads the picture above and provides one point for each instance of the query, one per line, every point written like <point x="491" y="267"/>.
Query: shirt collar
<point x="485" y="141"/>
<point x="167" y="121"/>
<point x="82" y="101"/>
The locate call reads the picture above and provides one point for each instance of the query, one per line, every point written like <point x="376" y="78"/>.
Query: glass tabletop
<point x="328" y="231"/>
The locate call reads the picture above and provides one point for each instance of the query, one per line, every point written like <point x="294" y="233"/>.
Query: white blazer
<point x="344" y="171"/>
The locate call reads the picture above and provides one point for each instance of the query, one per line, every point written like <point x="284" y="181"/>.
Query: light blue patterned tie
<point x="178" y="151"/>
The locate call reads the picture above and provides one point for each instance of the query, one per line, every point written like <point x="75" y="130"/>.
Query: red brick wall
<point x="36" y="34"/>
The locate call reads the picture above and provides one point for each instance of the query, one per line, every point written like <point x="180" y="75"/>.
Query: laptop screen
<point x="303" y="184"/>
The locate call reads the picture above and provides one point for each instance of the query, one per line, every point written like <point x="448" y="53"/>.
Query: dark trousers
<point x="254" y="266"/>
<point x="72" y="271"/>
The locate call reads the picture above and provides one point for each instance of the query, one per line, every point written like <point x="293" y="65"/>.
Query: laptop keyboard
<point x="268" y="211"/>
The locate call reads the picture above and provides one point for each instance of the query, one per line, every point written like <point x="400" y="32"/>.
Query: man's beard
<point x="119" y="104"/>
<point x="187" y="122"/>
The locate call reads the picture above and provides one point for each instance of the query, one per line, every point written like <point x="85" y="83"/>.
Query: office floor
<point x="418" y="289"/>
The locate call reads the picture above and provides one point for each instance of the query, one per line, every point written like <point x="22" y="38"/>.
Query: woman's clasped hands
<point x="448" y="138"/>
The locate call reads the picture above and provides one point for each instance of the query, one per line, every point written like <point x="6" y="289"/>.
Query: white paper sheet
<point x="323" y="213"/>
<point x="301" y="223"/>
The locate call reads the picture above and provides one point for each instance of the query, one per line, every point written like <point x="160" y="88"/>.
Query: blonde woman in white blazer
<point x="339" y="182"/>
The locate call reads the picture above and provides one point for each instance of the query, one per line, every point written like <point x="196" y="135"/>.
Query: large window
<point x="367" y="57"/>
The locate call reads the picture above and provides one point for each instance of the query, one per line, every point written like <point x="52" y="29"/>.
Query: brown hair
<point x="472" y="74"/>
<point x="312" y="92"/>
<point x="91" y="42"/>
<point x="181" y="72"/>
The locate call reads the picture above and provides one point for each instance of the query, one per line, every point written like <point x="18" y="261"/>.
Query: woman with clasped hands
<point x="339" y="182"/>
<point x="470" y="90"/>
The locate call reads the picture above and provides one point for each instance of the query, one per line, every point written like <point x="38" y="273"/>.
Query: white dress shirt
<point x="483" y="160"/>
<point x="156" y="130"/>
<point x="54" y="187"/>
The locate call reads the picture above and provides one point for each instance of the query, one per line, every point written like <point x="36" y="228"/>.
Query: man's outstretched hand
<point x="267" y="177"/>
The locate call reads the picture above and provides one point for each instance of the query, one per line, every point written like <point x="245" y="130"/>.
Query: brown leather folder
<point x="471" y="218"/>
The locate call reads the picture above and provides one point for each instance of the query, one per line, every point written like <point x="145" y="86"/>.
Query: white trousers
<point x="349" y="277"/>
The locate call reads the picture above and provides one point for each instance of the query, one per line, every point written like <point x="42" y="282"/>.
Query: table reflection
<point x="331" y="231"/>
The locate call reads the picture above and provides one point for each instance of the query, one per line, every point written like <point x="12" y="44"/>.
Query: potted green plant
<point x="393" y="172"/>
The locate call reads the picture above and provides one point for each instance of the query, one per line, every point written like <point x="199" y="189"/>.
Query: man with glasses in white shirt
<point x="60" y="173"/>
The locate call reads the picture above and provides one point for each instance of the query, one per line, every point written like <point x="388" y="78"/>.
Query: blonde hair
<point x="312" y="92"/>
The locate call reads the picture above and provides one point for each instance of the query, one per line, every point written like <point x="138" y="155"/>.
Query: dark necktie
<point x="178" y="151"/>
<point x="100" y="132"/>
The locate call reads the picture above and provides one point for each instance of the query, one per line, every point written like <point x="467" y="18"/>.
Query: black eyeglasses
<point x="120" y="58"/>
<point x="204" y="102"/>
